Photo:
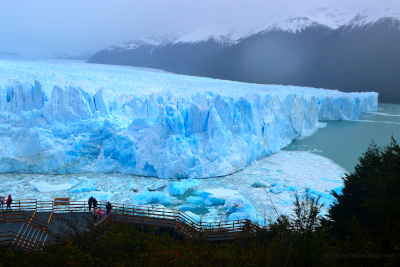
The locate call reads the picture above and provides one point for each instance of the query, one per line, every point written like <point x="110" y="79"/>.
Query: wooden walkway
<point x="33" y="219"/>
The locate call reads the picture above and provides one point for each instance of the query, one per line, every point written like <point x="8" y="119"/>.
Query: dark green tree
<point x="369" y="205"/>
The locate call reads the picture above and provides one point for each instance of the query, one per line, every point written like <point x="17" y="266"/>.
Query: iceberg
<point x="180" y="188"/>
<point x="153" y="198"/>
<point x="84" y="186"/>
<point x="45" y="187"/>
<point x="239" y="208"/>
<point x="206" y="199"/>
<point x="64" y="117"/>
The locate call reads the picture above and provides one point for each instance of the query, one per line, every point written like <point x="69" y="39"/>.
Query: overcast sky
<point x="45" y="27"/>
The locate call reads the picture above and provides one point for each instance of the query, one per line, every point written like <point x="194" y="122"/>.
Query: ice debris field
<point x="260" y="192"/>
<point x="61" y="119"/>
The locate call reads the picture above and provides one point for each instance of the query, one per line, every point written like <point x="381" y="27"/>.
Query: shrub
<point x="369" y="206"/>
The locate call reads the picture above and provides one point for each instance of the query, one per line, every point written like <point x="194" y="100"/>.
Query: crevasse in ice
<point x="71" y="117"/>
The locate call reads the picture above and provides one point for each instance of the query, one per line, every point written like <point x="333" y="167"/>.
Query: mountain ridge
<point x="358" y="54"/>
<point x="331" y="18"/>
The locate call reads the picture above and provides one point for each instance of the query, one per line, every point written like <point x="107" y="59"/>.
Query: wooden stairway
<point x="31" y="236"/>
<point x="189" y="231"/>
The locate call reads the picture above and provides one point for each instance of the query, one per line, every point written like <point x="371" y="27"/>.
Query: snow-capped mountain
<point x="329" y="48"/>
<point x="232" y="33"/>
<point x="151" y="40"/>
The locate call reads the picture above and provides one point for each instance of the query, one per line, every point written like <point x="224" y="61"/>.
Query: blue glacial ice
<point x="182" y="187"/>
<point x="45" y="187"/>
<point x="83" y="186"/>
<point x="206" y="198"/>
<point x="153" y="198"/>
<point x="239" y="208"/>
<point x="71" y="117"/>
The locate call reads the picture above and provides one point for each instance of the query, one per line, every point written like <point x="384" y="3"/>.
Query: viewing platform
<point x="31" y="224"/>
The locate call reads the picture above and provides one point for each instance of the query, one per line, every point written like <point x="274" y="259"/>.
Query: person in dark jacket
<point x="90" y="203"/>
<point x="2" y="201"/>
<point x="94" y="203"/>
<point x="108" y="208"/>
<point x="9" y="202"/>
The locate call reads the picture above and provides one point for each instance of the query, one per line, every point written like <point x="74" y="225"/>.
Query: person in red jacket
<point x="9" y="202"/>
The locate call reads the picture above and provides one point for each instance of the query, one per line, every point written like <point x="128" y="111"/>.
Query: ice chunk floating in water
<point x="63" y="117"/>
<point x="45" y="187"/>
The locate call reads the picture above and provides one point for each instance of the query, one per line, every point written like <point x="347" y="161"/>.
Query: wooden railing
<point x="138" y="213"/>
<point x="176" y="216"/>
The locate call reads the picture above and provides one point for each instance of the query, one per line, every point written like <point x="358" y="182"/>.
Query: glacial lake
<point x="345" y="141"/>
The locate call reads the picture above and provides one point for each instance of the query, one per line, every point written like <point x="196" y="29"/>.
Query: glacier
<point x="65" y="117"/>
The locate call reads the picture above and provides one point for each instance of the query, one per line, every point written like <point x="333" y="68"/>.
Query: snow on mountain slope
<point x="70" y="117"/>
<point x="153" y="41"/>
<point x="231" y="33"/>
<point x="221" y="34"/>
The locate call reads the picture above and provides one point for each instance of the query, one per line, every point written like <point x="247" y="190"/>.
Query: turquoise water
<point x="345" y="141"/>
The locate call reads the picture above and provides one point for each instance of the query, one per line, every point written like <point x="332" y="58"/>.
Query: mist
<point x="45" y="28"/>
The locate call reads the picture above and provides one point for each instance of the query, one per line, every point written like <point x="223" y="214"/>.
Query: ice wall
<point x="208" y="132"/>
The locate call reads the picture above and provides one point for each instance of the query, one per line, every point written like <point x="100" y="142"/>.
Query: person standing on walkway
<point x="9" y="202"/>
<point x="90" y="203"/>
<point x="94" y="203"/>
<point x="108" y="208"/>
<point x="2" y="200"/>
